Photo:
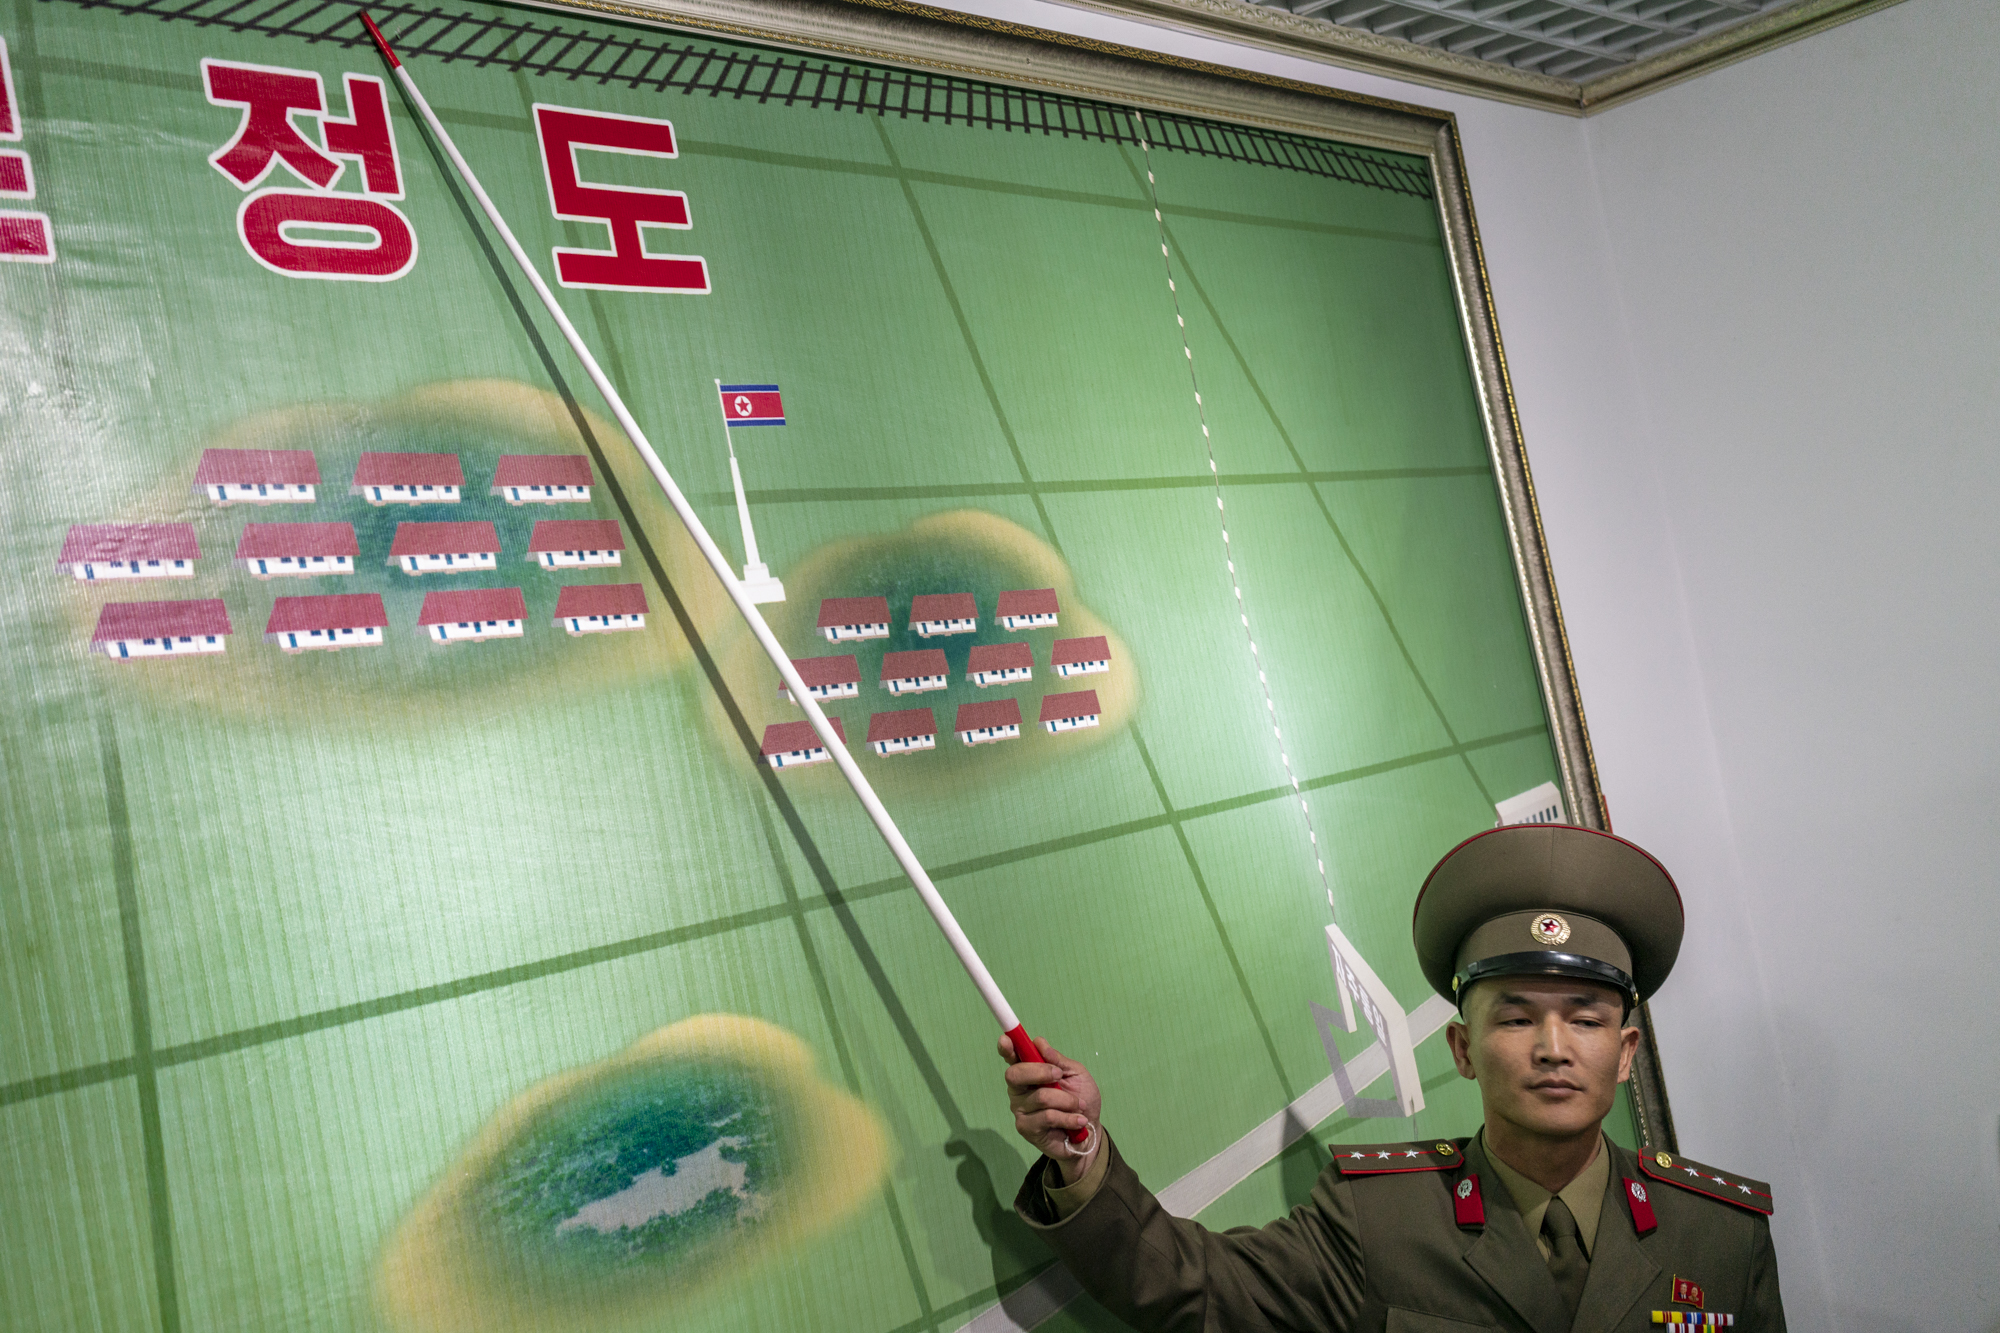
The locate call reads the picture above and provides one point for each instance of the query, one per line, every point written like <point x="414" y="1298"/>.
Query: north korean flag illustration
<point x="752" y="405"/>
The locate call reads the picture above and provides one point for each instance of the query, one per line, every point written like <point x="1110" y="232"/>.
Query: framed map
<point x="424" y="908"/>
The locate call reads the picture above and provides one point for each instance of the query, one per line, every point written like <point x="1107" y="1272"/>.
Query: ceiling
<point x="1575" y="56"/>
<point x="1570" y="39"/>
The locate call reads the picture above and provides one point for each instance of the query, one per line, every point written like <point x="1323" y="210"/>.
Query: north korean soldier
<point x="1545" y="937"/>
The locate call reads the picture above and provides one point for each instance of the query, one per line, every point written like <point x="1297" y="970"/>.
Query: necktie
<point x="1566" y="1260"/>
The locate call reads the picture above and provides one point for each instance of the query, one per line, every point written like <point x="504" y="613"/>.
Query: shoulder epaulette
<point x="1381" y="1159"/>
<point x="1673" y="1169"/>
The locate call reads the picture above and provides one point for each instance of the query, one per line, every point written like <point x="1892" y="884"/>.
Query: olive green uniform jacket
<point x="1384" y="1253"/>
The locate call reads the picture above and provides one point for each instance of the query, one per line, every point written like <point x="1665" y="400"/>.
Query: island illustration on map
<point x="611" y="1195"/>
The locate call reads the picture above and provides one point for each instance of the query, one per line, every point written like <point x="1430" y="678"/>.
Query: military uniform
<point x="1431" y="1237"/>
<point x="1387" y="1245"/>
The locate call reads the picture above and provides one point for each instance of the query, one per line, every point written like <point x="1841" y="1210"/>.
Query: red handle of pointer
<point x="1025" y="1049"/>
<point x="380" y="40"/>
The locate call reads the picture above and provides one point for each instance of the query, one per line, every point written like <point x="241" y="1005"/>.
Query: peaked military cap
<point x="1548" y="900"/>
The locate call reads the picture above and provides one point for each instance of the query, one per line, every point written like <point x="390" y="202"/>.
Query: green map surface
<point x="279" y="935"/>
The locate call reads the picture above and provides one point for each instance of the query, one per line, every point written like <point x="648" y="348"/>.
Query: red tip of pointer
<point x="380" y="41"/>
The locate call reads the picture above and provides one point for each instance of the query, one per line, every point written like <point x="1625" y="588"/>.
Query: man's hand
<point x="1051" y="1097"/>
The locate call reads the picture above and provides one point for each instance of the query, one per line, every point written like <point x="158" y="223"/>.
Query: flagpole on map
<point x="899" y="847"/>
<point x="758" y="585"/>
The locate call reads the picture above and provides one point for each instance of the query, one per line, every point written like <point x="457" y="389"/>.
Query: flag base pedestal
<point x="760" y="587"/>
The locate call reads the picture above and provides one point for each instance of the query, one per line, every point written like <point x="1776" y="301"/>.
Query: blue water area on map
<point x="648" y="1172"/>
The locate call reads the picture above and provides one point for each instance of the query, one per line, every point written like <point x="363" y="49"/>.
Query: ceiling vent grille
<point x="1565" y="39"/>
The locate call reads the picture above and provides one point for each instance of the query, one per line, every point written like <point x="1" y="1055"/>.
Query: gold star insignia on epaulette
<point x="1375" y="1159"/>
<point x="1706" y="1180"/>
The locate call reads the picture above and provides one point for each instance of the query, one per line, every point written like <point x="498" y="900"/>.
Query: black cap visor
<point x="1543" y="963"/>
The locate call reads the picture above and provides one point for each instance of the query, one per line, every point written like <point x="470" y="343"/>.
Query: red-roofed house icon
<point x="257" y="476"/>
<point x="343" y="620"/>
<point x="595" y="608"/>
<point x="161" y="629"/>
<point x="297" y="550"/>
<point x="521" y="479"/>
<point x="935" y="613"/>
<point x="576" y="543"/>
<point x="1081" y="657"/>
<point x="470" y="614"/>
<point x="795" y="744"/>
<point x="94" y="552"/>
<point x="902" y="731"/>
<point x="1030" y="608"/>
<point x="445" y="548"/>
<point x="826" y="677"/>
<point x="1069" y="712"/>
<point x="981" y="724"/>
<point x="915" y="672"/>
<point x="1000" y="664"/>
<point x="410" y="479"/>
<point x="844" y="618"/>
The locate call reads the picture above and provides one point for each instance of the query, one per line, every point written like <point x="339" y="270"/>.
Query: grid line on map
<point x="146" y="1073"/>
<point x="663" y="62"/>
<point x="44" y="1085"/>
<point x="978" y="490"/>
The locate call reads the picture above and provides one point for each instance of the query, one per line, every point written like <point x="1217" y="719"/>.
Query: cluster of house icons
<point x="119" y="552"/>
<point x="291" y="476"/>
<point x="933" y="615"/>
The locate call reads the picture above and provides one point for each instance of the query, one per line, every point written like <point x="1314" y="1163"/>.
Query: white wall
<point x="1803" y="246"/>
<point x="1754" y="325"/>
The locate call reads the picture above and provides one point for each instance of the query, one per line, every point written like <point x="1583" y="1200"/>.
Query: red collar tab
<point x="1381" y="1159"/>
<point x="1467" y="1208"/>
<point x="1672" y="1169"/>
<point x="1643" y="1220"/>
<point x="1687" y="1293"/>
